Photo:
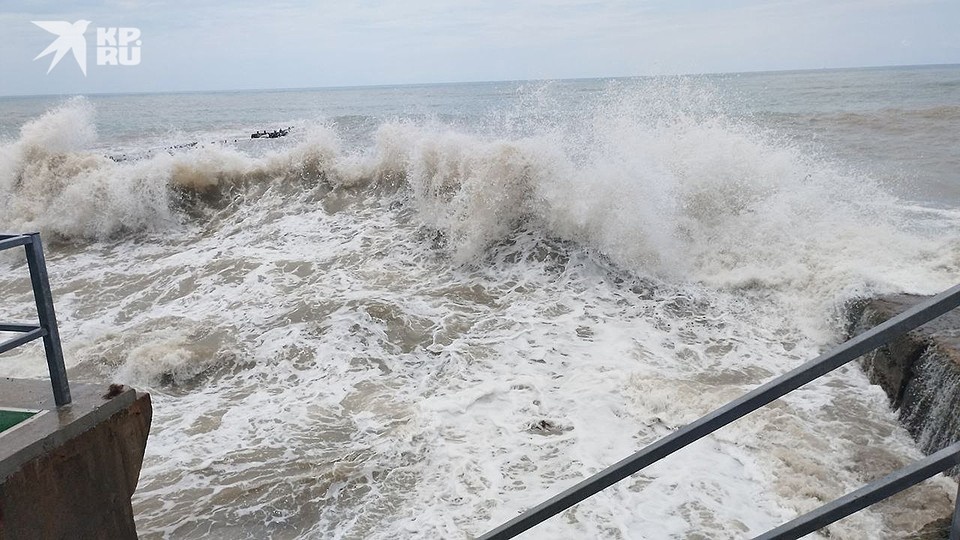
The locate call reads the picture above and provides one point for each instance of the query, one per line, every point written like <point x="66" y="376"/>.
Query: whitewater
<point x="415" y="322"/>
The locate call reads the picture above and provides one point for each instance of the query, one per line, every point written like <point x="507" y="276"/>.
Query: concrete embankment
<point x="69" y="472"/>
<point x="919" y="371"/>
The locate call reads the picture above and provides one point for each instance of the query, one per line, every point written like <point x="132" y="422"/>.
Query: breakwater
<point x="920" y="371"/>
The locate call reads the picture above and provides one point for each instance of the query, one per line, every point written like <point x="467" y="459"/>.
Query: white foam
<point x="323" y="364"/>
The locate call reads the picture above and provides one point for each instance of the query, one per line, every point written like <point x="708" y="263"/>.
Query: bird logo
<point x="69" y="39"/>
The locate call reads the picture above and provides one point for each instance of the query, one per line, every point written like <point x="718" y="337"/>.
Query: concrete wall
<point x="78" y="485"/>
<point x="919" y="371"/>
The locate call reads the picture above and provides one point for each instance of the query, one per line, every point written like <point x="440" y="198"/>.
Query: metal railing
<point x="753" y="400"/>
<point x="47" y="329"/>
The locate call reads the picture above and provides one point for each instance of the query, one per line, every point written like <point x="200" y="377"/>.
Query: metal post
<point x="955" y="527"/>
<point x="48" y="319"/>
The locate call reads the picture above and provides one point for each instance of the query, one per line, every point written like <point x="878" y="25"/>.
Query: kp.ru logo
<point x="115" y="46"/>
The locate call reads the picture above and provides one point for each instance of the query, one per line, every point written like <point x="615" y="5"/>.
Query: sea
<point x="428" y="308"/>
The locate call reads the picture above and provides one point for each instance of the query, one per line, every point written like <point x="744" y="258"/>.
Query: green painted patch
<point x="8" y="419"/>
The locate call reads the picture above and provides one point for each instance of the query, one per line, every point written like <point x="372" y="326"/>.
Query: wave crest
<point x="51" y="180"/>
<point x="656" y="180"/>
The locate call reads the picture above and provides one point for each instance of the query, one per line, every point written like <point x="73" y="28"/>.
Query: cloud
<point x="252" y="43"/>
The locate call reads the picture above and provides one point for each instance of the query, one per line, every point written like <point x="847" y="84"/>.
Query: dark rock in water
<point x="547" y="427"/>
<point x="919" y="371"/>
<point x="439" y="240"/>
<point x="271" y="134"/>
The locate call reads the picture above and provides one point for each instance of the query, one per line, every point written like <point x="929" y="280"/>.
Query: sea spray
<point x="423" y="333"/>
<point x="50" y="182"/>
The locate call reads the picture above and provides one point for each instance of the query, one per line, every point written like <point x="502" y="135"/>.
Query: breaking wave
<point x="657" y="186"/>
<point x="422" y="329"/>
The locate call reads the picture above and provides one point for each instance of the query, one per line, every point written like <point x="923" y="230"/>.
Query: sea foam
<point x="420" y="335"/>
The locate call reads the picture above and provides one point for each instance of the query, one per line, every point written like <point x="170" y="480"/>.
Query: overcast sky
<point x="242" y="44"/>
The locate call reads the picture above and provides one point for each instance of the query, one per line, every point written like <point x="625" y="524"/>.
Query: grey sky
<point x="219" y="45"/>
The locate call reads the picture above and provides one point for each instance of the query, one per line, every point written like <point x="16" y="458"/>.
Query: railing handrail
<point x="736" y="409"/>
<point x="47" y="329"/>
<point x="889" y="485"/>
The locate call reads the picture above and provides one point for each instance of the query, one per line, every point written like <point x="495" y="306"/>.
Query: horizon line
<point x="489" y="81"/>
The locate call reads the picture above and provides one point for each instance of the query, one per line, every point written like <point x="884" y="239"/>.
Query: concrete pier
<point x="70" y="472"/>
<point x="920" y="371"/>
